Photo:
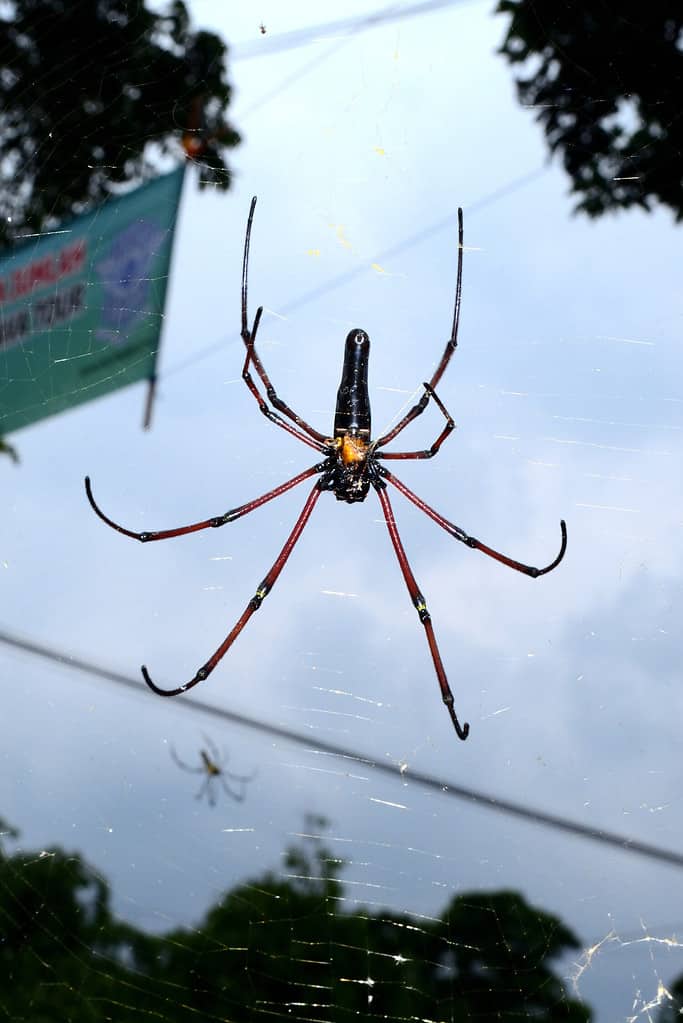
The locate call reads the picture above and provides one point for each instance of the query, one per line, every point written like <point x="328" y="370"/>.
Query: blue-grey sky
<point x="566" y="388"/>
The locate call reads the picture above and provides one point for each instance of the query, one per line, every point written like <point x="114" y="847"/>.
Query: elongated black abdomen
<point x="353" y="403"/>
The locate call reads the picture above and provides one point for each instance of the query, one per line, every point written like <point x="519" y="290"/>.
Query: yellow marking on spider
<point x="353" y="450"/>
<point x="213" y="770"/>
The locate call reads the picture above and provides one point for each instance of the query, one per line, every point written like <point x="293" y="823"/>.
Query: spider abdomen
<point x="352" y="415"/>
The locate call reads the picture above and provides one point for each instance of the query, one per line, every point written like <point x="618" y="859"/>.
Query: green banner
<point x="81" y="308"/>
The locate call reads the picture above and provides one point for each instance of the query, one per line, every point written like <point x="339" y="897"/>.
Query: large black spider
<point x="350" y="467"/>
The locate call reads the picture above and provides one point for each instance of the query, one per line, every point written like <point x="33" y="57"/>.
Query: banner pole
<point x="152" y="379"/>
<point x="149" y="403"/>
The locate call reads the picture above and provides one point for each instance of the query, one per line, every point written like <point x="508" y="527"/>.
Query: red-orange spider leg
<point x="218" y="520"/>
<point x="471" y="541"/>
<point x="421" y="608"/>
<point x="253" y="605"/>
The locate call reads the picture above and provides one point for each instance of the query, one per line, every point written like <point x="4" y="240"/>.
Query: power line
<point x="482" y="799"/>
<point x="349" y="28"/>
<point x="357" y="271"/>
<point x="268" y="45"/>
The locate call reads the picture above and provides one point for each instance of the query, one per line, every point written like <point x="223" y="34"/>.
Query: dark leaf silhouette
<point x="288" y="945"/>
<point x="99" y="95"/>
<point x="606" y="81"/>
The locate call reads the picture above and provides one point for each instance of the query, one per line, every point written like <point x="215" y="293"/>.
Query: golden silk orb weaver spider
<point x="351" y="465"/>
<point x="213" y="767"/>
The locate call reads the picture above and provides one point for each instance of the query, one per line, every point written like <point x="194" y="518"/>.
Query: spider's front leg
<point x="274" y="417"/>
<point x="452" y="343"/>
<point x="303" y="431"/>
<point x="433" y="450"/>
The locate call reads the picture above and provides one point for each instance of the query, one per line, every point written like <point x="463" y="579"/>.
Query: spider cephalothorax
<point x="351" y="466"/>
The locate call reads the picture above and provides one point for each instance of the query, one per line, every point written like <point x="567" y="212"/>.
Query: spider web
<point x="343" y="884"/>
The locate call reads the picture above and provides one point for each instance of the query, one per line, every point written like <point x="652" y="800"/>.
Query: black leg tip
<point x="88" y="494"/>
<point x="462" y="731"/>
<point x="152" y="686"/>
<point x="199" y="677"/>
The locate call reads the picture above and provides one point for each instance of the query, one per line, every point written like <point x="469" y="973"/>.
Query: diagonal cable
<point x="475" y="796"/>
<point x="268" y="45"/>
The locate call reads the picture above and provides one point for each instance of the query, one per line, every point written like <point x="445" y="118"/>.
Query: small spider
<point x="213" y="767"/>
<point x="350" y="467"/>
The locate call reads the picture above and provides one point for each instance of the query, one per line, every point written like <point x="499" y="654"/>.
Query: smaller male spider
<point x="350" y="467"/>
<point x="213" y="767"/>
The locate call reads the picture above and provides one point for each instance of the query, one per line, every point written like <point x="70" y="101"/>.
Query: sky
<point x="566" y="393"/>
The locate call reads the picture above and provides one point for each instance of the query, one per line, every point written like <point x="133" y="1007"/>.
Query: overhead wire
<point x="343" y="32"/>
<point x="267" y="45"/>
<point x="477" y="797"/>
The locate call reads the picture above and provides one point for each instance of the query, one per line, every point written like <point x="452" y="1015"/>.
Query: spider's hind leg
<point x="421" y="608"/>
<point x="254" y="604"/>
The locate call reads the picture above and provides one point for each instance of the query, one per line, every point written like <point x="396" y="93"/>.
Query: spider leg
<point x="207" y="788"/>
<point x="274" y="417"/>
<point x="216" y="756"/>
<point x="429" y="452"/>
<point x="220" y="774"/>
<point x="185" y="767"/>
<point x="451" y="345"/>
<point x="240" y="796"/>
<point x="218" y="520"/>
<point x="452" y="342"/>
<point x="241" y="778"/>
<point x="470" y="541"/>
<point x="421" y="607"/>
<point x="249" y="338"/>
<point x="253" y="605"/>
